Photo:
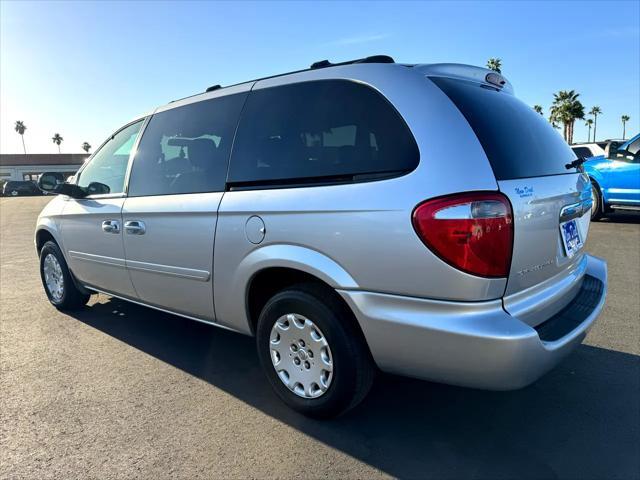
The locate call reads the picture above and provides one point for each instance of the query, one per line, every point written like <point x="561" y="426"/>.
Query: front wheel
<point x="314" y="356"/>
<point x="57" y="281"/>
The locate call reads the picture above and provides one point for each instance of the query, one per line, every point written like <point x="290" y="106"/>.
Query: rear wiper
<point x="576" y="163"/>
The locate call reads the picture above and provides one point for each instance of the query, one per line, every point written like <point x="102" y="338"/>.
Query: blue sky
<point x="84" y="68"/>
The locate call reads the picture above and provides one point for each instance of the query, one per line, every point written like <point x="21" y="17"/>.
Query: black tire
<point x="353" y="367"/>
<point x="596" y="208"/>
<point x="71" y="298"/>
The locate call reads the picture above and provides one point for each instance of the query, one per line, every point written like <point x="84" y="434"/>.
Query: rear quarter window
<point x="518" y="141"/>
<point x="320" y="131"/>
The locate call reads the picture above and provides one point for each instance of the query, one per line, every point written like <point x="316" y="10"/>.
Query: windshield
<point x="518" y="141"/>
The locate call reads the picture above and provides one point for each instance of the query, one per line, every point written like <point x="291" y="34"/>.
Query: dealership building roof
<point x="19" y="166"/>
<point x="33" y="159"/>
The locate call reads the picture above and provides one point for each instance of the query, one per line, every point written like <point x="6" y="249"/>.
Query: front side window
<point x="186" y="149"/>
<point x="319" y="131"/>
<point x="106" y="171"/>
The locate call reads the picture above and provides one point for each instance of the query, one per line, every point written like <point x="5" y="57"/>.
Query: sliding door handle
<point x="134" y="227"/>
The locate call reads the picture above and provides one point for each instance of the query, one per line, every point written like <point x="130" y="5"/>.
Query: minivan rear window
<point x="518" y="141"/>
<point x="319" y="132"/>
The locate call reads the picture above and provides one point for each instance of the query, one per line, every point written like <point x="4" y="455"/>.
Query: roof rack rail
<point x="315" y="66"/>
<point x="372" y="59"/>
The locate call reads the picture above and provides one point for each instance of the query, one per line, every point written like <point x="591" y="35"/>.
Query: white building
<point x="30" y="166"/>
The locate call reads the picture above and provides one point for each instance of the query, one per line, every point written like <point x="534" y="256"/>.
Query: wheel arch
<point x="272" y="268"/>
<point x="269" y="281"/>
<point x="44" y="234"/>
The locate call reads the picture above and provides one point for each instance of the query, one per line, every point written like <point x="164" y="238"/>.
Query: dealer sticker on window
<point x="571" y="237"/>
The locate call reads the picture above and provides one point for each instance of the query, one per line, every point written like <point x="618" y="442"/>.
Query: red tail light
<point x="471" y="231"/>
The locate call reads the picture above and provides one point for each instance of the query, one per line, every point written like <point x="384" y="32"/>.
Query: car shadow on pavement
<point x="580" y="421"/>
<point x="621" y="217"/>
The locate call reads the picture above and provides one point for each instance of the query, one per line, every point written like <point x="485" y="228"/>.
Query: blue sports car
<point x="615" y="179"/>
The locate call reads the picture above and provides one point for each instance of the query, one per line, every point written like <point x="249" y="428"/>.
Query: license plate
<point x="571" y="237"/>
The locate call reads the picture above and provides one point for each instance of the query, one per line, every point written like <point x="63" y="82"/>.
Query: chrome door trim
<point x="190" y="273"/>
<point x="135" y="227"/>
<point x="90" y="257"/>
<point x="111" y="226"/>
<point x="148" y="305"/>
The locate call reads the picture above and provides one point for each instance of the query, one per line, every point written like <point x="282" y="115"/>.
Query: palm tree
<point x="86" y="147"/>
<point x="588" y="123"/>
<point x="595" y="111"/>
<point x="494" y="64"/>
<point x="625" y="119"/>
<point x="538" y="109"/>
<point x="57" y="139"/>
<point x="20" y="128"/>
<point x="566" y="109"/>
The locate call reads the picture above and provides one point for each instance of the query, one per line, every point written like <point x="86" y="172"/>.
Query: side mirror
<point x="97" y="188"/>
<point x="53" y="182"/>
<point x="48" y="181"/>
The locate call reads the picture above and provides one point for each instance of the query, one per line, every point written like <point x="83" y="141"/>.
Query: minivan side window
<point x="109" y="164"/>
<point x="319" y="131"/>
<point x="186" y="149"/>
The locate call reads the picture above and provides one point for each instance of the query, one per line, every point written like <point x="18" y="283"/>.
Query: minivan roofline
<point x="451" y="70"/>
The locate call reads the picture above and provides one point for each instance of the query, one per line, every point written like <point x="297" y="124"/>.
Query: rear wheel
<point x="313" y="355"/>
<point x="57" y="281"/>
<point x="596" y="208"/>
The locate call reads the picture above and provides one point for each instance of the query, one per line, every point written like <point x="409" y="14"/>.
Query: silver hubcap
<point x="53" y="277"/>
<point x="301" y="355"/>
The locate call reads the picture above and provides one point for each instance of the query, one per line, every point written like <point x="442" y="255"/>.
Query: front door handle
<point x="111" y="226"/>
<point x="134" y="227"/>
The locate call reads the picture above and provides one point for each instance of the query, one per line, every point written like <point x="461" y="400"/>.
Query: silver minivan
<point x="353" y="217"/>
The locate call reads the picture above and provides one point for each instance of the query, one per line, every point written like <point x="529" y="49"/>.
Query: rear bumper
<point x="474" y="344"/>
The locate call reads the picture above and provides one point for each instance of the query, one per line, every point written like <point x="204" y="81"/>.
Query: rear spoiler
<point x="466" y="72"/>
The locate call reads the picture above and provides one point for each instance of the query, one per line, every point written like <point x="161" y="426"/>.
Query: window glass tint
<point x="634" y="147"/>
<point x="518" y="141"/>
<point x="109" y="164"/>
<point x="330" y="129"/>
<point x="583" y="152"/>
<point x="186" y="149"/>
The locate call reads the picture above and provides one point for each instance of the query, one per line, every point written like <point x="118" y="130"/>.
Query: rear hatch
<point x="550" y="201"/>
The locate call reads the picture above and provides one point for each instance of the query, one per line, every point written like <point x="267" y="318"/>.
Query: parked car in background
<point x="588" y="150"/>
<point x="14" y="188"/>
<point x="419" y="219"/>
<point x="596" y="149"/>
<point x="615" y="179"/>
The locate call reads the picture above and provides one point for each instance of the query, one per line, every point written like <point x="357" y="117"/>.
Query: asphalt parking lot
<point x="121" y="391"/>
